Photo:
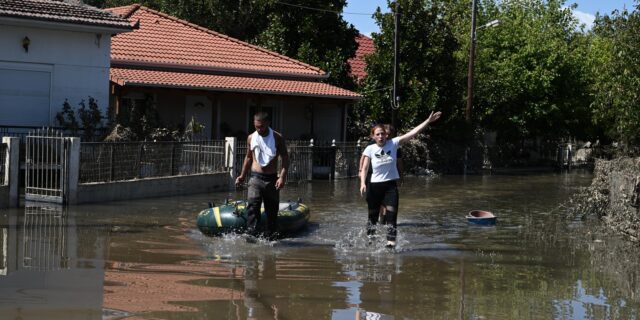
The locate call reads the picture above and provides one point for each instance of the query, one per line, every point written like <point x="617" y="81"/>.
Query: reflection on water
<point x="46" y="273"/>
<point x="146" y="258"/>
<point x="45" y="238"/>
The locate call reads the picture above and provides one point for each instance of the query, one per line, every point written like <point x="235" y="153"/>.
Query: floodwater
<point x="147" y="260"/>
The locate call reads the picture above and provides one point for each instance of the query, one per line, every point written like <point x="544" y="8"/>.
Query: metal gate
<point x="47" y="166"/>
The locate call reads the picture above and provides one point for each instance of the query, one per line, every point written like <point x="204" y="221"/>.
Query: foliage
<point x="165" y="134"/>
<point x="530" y="80"/>
<point x="66" y="118"/>
<point x="120" y="133"/>
<point x="427" y="77"/>
<point x="141" y="116"/>
<point x="91" y="117"/>
<point x="615" y="63"/>
<point x="194" y="130"/>
<point x="241" y="19"/>
<point x="320" y="38"/>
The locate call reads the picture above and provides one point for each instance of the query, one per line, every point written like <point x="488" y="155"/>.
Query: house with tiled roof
<point x="52" y="51"/>
<point x="358" y="63"/>
<point x="190" y="72"/>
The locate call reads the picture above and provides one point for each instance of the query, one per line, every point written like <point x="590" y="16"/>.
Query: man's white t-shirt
<point x="383" y="160"/>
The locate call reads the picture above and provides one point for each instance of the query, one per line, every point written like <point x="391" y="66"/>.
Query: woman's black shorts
<point x="379" y="193"/>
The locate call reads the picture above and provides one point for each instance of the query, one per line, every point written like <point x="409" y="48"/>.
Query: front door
<point x="201" y="109"/>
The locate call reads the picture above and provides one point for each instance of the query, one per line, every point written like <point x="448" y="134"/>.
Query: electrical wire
<point x="379" y="89"/>
<point x="322" y="10"/>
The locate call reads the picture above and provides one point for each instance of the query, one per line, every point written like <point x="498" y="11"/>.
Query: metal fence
<point x="300" y="160"/>
<point x="3" y="162"/>
<point x="241" y="153"/>
<point x="23" y="131"/>
<point x="347" y="158"/>
<point x="116" y="161"/>
<point x="309" y="159"/>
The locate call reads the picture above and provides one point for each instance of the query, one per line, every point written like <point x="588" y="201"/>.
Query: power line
<point x="322" y="10"/>
<point x="379" y="89"/>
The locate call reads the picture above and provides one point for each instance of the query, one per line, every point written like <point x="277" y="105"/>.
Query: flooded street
<point x="147" y="260"/>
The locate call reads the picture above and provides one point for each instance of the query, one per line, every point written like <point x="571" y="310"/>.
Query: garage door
<point x="24" y="97"/>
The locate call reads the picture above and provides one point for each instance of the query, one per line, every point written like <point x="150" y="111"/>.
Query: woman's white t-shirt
<point x="383" y="160"/>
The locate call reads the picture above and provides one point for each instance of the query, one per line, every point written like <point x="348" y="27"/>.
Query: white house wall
<point x="78" y="62"/>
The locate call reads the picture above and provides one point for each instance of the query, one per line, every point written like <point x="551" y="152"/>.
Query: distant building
<point x="191" y="72"/>
<point x="358" y="63"/>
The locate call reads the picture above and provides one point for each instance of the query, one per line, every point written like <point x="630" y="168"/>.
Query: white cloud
<point x="584" y="18"/>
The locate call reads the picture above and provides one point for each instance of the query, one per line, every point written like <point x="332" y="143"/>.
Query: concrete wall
<point x="77" y="64"/>
<point x="152" y="187"/>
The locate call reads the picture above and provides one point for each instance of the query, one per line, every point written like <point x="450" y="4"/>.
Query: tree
<point x="91" y="117"/>
<point x="428" y="68"/>
<point x="319" y="36"/>
<point x="66" y="118"/>
<point x="531" y="80"/>
<point x="241" y="19"/>
<point x="615" y="63"/>
<point x="429" y="79"/>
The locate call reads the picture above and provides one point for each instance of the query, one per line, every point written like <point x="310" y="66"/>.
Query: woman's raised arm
<point x="409" y="135"/>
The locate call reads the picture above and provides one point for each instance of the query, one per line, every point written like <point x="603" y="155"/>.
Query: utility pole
<point x="396" y="67"/>
<point x="472" y="54"/>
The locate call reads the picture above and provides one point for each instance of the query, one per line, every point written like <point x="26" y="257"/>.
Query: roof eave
<point x="66" y="26"/>
<point x="279" y="93"/>
<point x="125" y="63"/>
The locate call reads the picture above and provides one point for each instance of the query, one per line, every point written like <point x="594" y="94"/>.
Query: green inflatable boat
<point x="232" y="217"/>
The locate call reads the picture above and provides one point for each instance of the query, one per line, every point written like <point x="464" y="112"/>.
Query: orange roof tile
<point x="189" y="80"/>
<point x="358" y="64"/>
<point x="163" y="40"/>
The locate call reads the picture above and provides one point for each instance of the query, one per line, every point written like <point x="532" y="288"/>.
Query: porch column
<point x="12" y="169"/>
<point x="74" y="170"/>
<point x="230" y="144"/>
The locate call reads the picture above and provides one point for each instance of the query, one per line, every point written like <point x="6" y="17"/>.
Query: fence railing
<point x="241" y="153"/>
<point x="347" y="158"/>
<point x="23" y="131"/>
<point x="309" y="159"/>
<point x="3" y="162"/>
<point x="300" y="160"/>
<point x="107" y="161"/>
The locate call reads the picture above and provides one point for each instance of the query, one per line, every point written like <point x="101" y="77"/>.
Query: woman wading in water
<point x="383" y="190"/>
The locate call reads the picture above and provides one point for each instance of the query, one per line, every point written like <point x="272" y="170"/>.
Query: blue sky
<point x="358" y="12"/>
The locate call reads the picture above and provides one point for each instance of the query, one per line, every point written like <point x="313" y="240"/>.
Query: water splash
<point x="356" y="242"/>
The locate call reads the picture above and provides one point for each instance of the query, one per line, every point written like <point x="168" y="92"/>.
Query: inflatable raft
<point x="232" y="217"/>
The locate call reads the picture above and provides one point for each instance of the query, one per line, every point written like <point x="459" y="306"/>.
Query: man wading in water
<point x="265" y="145"/>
